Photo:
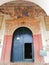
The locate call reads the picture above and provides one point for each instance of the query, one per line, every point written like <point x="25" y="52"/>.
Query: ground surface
<point x="21" y="63"/>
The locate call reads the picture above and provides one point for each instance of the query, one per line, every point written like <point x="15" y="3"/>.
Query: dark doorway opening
<point x="28" y="51"/>
<point x="22" y="45"/>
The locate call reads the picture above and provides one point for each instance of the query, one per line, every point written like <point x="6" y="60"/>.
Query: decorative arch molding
<point x="30" y="6"/>
<point x="45" y="7"/>
<point x="32" y="23"/>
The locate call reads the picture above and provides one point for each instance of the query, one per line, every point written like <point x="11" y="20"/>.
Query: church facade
<point x="24" y="33"/>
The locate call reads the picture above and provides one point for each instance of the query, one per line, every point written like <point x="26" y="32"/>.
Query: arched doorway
<point x="22" y="45"/>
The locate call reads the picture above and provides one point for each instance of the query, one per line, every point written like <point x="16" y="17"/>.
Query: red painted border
<point x="37" y="48"/>
<point x="6" y="51"/>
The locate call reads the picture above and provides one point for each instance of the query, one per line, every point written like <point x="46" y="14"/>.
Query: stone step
<point x="23" y="63"/>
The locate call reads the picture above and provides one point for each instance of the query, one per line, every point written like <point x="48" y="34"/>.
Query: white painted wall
<point x="2" y="31"/>
<point x="45" y="39"/>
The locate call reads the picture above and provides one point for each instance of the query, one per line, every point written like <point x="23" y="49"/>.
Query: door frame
<point x="25" y="60"/>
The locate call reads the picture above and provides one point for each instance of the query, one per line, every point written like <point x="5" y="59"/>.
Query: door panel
<point x="17" y="49"/>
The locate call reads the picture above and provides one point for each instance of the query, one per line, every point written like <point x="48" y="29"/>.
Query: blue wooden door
<point x="22" y="36"/>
